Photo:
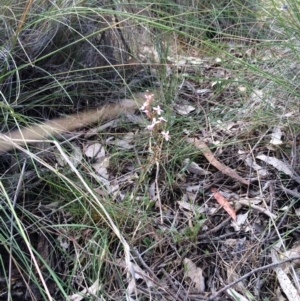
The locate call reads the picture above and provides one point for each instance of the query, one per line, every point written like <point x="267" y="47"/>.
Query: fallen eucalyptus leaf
<point x="194" y="275"/>
<point x="279" y="165"/>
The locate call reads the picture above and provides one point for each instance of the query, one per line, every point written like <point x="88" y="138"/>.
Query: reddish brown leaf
<point x="224" y="203"/>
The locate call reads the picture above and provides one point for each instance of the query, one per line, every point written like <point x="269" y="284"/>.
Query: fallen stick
<point x="213" y="161"/>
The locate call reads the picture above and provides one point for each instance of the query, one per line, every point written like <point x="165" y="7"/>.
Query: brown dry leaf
<point x="240" y="221"/>
<point x="262" y="172"/>
<point x="194" y="275"/>
<point x="190" y="207"/>
<point x="92" y="290"/>
<point x="217" y="164"/>
<point x="278" y="164"/>
<point x="284" y="281"/>
<point x="252" y="203"/>
<point x="101" y="167"/>
<point x="232" y="276"/>
<point x="94" y="150"/>
<point x="74" y="157"/>
<point x="194" y="168"/>
<point x="235" y="295"/>
<point x="291" y="253"/>
<point x="125" y="142"/>
<point x="224" y="203"/>
<point x="138" y="274"/>
<point x="192" y="191"/>
<point x="279" y="295"/>
<point x="183" y="109"/>
<point x="64" y="243"/>
<point x="276" y="136"/>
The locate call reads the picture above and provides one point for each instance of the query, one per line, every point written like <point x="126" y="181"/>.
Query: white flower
<point x="160" y="119"/>
<point x="166" y="135"/>
<point x="144" y="106"/>
<point x="151" y="126"/>
<point x="158" y="110"/>
<point x="149" y="97"/>
<point x="146" y="111"/>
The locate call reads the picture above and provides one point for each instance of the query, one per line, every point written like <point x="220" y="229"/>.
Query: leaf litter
<point x="221" y="214"/>
<point x="181" y="232"/>
<point x="210" y="192"/>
